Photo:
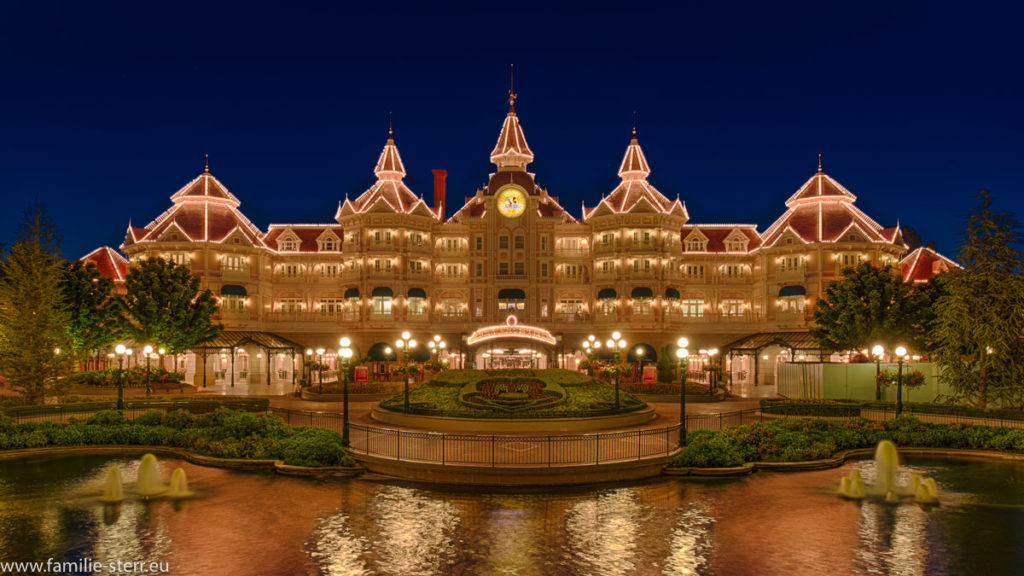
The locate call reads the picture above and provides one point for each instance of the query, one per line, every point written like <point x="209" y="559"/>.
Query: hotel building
<point x="632" y="262"/>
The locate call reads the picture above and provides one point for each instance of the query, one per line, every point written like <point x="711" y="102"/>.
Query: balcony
<point x="372" y="246"/>
<point x="304" y="316"/>
<point x="512" y="277"/>
<point x="572" y="253"/>
<point x="453" y="316"/>
<point x="571" y="317"/>
<point x="382" y="274"/>
<point x="604" y="249"/>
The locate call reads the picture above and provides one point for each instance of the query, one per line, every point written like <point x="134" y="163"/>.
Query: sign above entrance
<point x="511" y="330"/>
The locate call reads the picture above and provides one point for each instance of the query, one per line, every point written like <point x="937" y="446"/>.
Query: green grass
<point x="582" y="395"/>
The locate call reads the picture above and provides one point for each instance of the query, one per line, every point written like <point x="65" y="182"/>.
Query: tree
<point x="666" y="367"/>
<point x="980" y="319"/>
<point x="33" y="320"/>
<point x="91" y="309"/>
<point x="164" y="306"/>
<point x="872" y="305"/>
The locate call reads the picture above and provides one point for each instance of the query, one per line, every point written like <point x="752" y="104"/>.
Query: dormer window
<point x="329" y="244"/>
<point x="289" y="244"/>
<point x="736" y="245"/>
<point x="696" y="245"/>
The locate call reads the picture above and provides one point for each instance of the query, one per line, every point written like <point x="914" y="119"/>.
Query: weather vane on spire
<point x="634" y="123"/>
<point x="207" y="169"/>
<point x="819" y="162"/>
<point x="511" y="87"/>
<point x="389" y="124"/>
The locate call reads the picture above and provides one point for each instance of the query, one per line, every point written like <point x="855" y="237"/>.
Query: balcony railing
<point x="571" y="317"/>
<point x="572" y="252"/>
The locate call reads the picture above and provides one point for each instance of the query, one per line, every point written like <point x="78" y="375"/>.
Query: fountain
<point x="148" y="483"/>
<point x="887" y="463"/>
<point x="113" y="489"/>
<point x="179" y="485"/>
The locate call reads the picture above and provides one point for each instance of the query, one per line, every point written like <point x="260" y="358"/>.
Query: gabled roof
<point x="923" y="264"/>
<point x="308" y="235"/>
<point x="389" y="193"/>
<point x="717" y="234"/>
<point x="634" y="193"/>
<point x="203" y="211"/>
<point x="109" y="263"/>
<point x="511" y="149"/>
<point x="822" y="210"/>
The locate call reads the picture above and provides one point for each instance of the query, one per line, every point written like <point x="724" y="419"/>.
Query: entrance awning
<point x="511" y="330"/>
<point x="352" y="293"/>
<point x="511" y="294"/>
<point x="641" y="292"/>
<point x="417" y="293"/>
<point x="792" y="291"/>
<point x="607" y="294"/>
<point x="796" y="341"/>
<point x="671" y="294"/>
<point x="382" y="292"/>
<point x="233" y="290"/>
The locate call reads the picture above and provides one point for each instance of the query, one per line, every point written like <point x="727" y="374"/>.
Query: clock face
<point x="511" y="202"/>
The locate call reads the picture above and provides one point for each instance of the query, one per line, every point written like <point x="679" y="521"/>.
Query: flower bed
<point x="803" y="439"/>
<point x="221" y="433"/>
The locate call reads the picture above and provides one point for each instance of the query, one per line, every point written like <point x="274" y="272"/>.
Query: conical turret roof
<point x="511" y="151"/>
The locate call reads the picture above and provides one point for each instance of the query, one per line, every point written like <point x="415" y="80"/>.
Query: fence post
<point x="638" y="444"/>
<point x="399" y="456"/>
<point x="492" y="450"/>
<point x="597" y="458"/>
<point x="549" y="451"/>
<point x="443" y="437"/>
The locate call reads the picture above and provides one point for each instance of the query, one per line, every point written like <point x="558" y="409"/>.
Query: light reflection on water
<point x="246" y="523"/>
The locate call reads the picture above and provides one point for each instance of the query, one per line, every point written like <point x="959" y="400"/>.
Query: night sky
<point x="106" y="109"/>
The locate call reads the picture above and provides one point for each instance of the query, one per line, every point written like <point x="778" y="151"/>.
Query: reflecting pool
<point x="262" y="523"/>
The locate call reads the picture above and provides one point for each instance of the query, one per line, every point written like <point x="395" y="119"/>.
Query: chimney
<point x="439" y="178"/>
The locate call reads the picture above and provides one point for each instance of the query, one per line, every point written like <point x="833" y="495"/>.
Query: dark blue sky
<point x="106" y="109"/>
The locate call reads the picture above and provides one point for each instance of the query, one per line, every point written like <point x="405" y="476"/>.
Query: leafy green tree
<point x="666" y="365"/>
<point x="91" y="309"/>
<point x="33" y="320"/>
<point x="872" y="305"/>
<point x="980" y="319"/>
<point x="164" y="306"/>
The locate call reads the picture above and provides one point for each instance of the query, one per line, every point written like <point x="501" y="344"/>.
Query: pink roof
<point x="718" y="233"/>
<point x="308" y="235"/>
<point x="635" y="191"/>
<point x="923" y="264"/>
<point x="389" y="190"/>
<point x="822" y="210"/>
<point x="511" y="148"/>
<point x="108" y="262"/>
<point x="205" y="188"/>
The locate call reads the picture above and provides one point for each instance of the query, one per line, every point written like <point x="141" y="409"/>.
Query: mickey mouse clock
<point x="511" y="202"/>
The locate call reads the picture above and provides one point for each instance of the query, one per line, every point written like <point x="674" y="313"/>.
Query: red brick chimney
<point x="439" y="178"/>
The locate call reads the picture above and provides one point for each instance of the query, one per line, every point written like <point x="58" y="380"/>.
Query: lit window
<point x="692" y="308"/>
<point x="696" y="245"/>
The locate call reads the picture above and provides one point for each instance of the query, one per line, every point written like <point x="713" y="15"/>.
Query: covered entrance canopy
<point x="753" y="359"/>
<point x="232" y="340"/>
<point x="511" y="345"/>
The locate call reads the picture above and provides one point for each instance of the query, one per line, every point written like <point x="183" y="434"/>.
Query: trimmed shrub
<point x="150" y="418"/>
<point x="106" y="418"/>
<point x="310" y="446"/>
<point x="179" y="419"/>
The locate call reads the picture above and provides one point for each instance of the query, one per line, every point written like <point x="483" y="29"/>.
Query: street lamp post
<point x="681" y="354"/>
<point x="901" y="354"/>
<point x="344" y="355"/>
<point x="405" y="343"/>
<point x="148" y="351"/>
<point x="640" y="369"/>
<point x="121" y="353"/>
<point x="713" y="379"/>
<point x="877" y="351"/>
<point x="616" y="342"/>
<point x="387" y="363"/>
<point x="307" y="367"/>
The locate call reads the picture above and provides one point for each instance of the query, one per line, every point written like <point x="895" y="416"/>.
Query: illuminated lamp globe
<point x="901" y="351"/>
<point x="120" y="349"/>
<point x="345" y="342"/>
<point x="399" y="343"/>
<point x="405" y="335"/>
<point x="682" y="353"/>
<point x="622" y="343"/>
<point x="683" y="342"/>
<point x="147" y="350"/>
<point x="320" y="351"/>
<point x="616" y="335"/>
<point x="412" y="343"/>
<point x="610" y="343"/>
<point x="878" y="350"/>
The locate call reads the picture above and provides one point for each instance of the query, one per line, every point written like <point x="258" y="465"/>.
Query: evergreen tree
<point x="980" y="319"/>
<point x="164" y="306"/>
<point x="91" y="309"/>
<point x="872" y="305"/>
<point x="33" y="321"/>
<point x="666" y="366"/>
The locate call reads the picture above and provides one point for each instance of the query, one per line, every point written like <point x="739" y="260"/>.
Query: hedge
<point x="852" y="408"/>
<point x="801" y="439"/>
<point x="221" y="433"/>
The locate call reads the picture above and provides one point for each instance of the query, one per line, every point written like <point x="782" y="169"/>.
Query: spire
<point x="207" y="169"/>
<point x="819" y="163"/>
<point x="634" y="163"/>
<point x="389" y="165"/>
<point x="511" y="152"/>
<point x="511" y="88"/>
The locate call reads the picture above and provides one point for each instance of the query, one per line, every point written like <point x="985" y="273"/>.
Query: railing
<point x="495" y="450"/>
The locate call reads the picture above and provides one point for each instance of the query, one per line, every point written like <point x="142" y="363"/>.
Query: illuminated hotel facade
<point x="633" y="262"/>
